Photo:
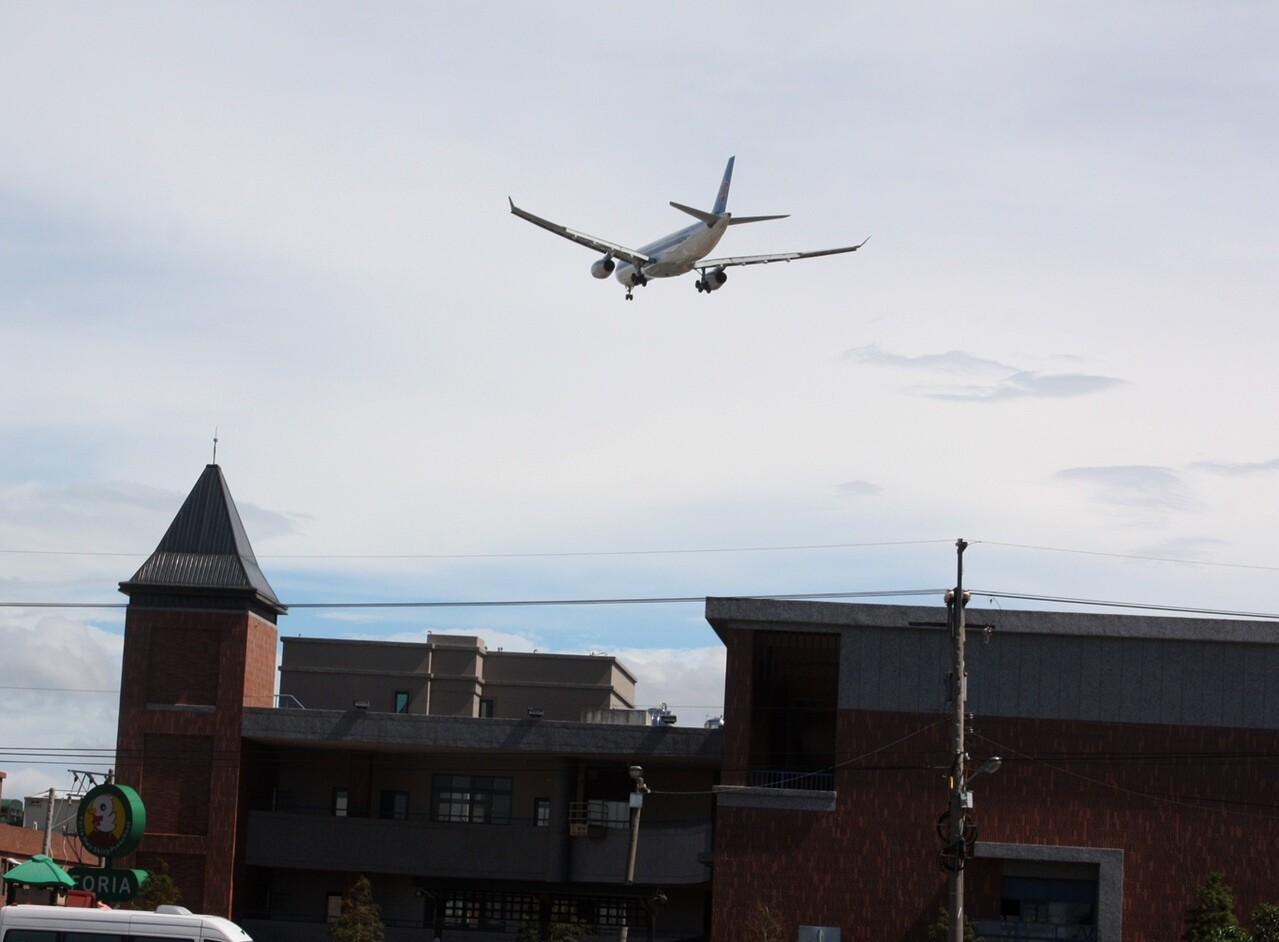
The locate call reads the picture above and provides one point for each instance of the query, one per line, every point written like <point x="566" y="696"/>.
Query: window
<point x="401" y="701"/>
<point x="794" y="704"/>
<point x="611" y="912"/>
<point x="332" y="907"/>
<point x="486" y="708"/>
<point x="30" y="935"/>
<point x="471" y="799"/>
<point x="1051" y="902"/>
<point x="341" y="799"/>
<point x="394" y="805"/>
<point x="542" y="812"/>
<point x="492" y="911"/>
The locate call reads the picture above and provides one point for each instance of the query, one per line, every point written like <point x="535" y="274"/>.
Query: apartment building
<point x="484" y="793"/>
<point x="1138" y="754"/>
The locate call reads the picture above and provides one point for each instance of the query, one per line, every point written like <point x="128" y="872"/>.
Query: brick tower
<point x="199" y="646"/>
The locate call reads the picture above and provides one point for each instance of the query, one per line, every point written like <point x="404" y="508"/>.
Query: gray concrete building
<point x="476" y="827"/>
<point x="450" y="675"/>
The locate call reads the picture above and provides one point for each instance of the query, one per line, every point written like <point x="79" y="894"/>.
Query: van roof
<point x="185" y="923"/>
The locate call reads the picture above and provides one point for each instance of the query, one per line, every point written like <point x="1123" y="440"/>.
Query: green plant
<point x="1212" y="918"/>
<point x="361" y="918"/>
<point x="1265" y="923"/>
<point x="763" y="924"/>
<point x="939" y="931"/>
<point x="158" y="888"/>
<point x="573" y="930"/>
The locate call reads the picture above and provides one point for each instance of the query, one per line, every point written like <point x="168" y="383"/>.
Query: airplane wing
<point x="775" y="257"/>
<point x="581" y="238"/>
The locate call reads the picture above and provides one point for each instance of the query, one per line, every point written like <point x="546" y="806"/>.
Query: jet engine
<point x="711" y="280"/>
<point x="603" y="267"/>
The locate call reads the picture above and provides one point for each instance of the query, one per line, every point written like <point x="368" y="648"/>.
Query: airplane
<point x="680" y="252"/>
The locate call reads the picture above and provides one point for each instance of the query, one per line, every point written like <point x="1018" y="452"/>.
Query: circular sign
<point x="111" y="820"/>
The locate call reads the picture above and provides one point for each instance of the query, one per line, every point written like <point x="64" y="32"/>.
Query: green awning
<point x="40" y="871"/>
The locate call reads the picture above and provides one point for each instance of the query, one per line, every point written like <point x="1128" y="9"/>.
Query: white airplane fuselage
<point x="677" y="253"/>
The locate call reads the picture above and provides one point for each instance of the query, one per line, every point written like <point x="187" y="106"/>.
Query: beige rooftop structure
<point x="450" y="675"/>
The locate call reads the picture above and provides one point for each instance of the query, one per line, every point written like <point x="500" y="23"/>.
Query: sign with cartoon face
<point x="111" y="820"/>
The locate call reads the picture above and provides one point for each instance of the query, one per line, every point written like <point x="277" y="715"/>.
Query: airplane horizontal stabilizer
<point x="738" y="220"/>
<point x="709" y="218"/>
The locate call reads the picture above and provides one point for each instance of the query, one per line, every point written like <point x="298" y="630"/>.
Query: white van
<point x="27" y="922"/>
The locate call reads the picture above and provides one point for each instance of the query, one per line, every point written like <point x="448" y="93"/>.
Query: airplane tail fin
<point x="721" y="199"/>
<point x="721" y="202"/>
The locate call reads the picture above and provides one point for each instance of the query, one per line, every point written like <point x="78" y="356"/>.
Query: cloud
<point x="1142" y="486"/>
<point x="1236" y="468"/>
<point x="1006" y="381"/>
<point x="1185" y="547"/>
<point x="858" y="488"/>
<point x="61" y="680"/>
<point x="690" y="681"/>
<point x="1024" y="385"/>
<point x="956" y="361"/>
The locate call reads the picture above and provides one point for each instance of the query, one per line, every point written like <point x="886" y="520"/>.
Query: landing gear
<point x="637" y="278"/>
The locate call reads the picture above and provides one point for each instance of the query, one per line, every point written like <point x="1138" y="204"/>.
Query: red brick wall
<point x="182" y="665"/>
<point x="260" y="664"/>
<point x="184" y="763"/>
<point x="871" y="866"/>
<point x="175" y="782"/>
<point x="737" y="699"/>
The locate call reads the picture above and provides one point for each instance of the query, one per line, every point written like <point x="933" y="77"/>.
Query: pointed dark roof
<point x="206" y="550"/>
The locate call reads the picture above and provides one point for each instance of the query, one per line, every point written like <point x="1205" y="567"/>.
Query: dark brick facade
<point x="186" y="678"/>
<point x="1177" y="801"/>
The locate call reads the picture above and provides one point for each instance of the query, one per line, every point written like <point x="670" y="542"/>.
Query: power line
<point x="531" y="555"/>
<point x="527" y="603"/>
<point x="660" y="600"/>
<point x="1140" y="606"/>
<point x="689" y="599"/>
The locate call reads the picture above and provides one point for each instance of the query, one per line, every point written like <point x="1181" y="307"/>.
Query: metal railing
<point x="992" y="929"/>
<point x="782" y="778"/>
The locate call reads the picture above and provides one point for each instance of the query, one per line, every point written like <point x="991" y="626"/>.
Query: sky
<point x="286" y="225"/>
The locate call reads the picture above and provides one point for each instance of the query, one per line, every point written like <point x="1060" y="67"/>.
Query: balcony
<point x="296" y="840"/>
<point x="1032" y="931"/>
<point x="301" y="841"/>
<point x="782" y="778"/>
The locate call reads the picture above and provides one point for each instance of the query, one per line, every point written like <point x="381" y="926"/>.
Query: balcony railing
<point x="782" y="778"/>
<point x="1032" y="931"/>
<point x="415" y="845"/>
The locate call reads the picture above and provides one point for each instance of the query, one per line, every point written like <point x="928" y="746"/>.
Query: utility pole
<point x="637" y="805"/>
<point x="956" y="850"/>
<point x="48" y="826"/>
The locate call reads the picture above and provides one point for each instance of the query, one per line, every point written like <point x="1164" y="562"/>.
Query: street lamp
<point x="637" y="805"/>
